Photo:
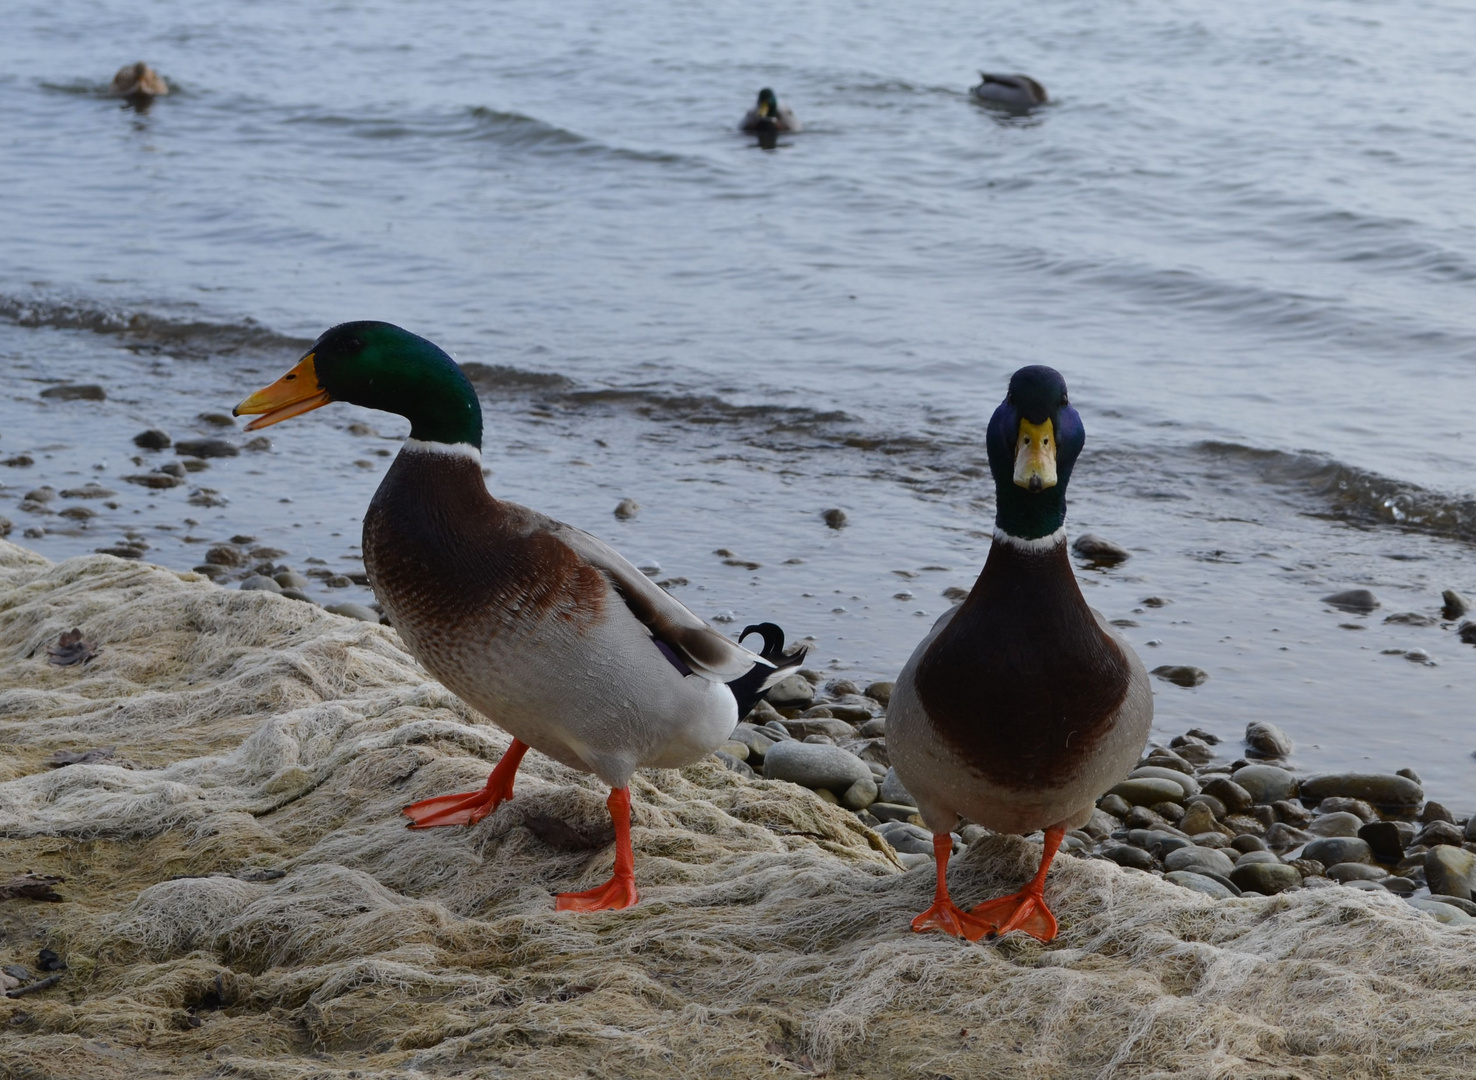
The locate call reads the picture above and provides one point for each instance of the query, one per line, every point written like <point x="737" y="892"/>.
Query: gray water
<point x="1245" y="236"/>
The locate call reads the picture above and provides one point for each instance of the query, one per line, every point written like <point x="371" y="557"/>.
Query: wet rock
<point x="815" y="766"/>
<point x="5" y="526"/>
<point x="1339" y="824"/>
<point x="1201" y="883"/>
<point x="19" y="461"/>
<point x="828" y="726"/>
<point x="88" y="491"/>
<point x="1235" y="798"/>
<point x="1440" y="832"/>
<point x="791" y="692"/>
<point x="1246" y="843"/>
<point x="1308" y="867"/>
<point x="1189" y="785"/>
<point x="834" y="517"/>
<point x="1281" y="837"/>
<point x="1265" y="783"/>
<point x="1199" y="859"/>
<point x="1470" y="832"/>
<point x="75" y="392"/>
<point x="1215" y="806"/>
<point x="1353" y="871"/>
<point x="626" y="509"/>
<point x="206" y="448"/>
<point x="1332" y="850"/>
<point x="1263" y="739"/>
<point x="859" y="795"/>
<point x="875" y="728"/>
<point x="258" y="444"/>
<point x="1170" y="812"/>
<point x="1411" y="618"/>
<point x="262" y="582"/>
<point x="1266" y="878"/>
<point x="1451" y="870"/>
<point x="1341" y="804"/>
<point x="889" y="811"/>
<point x="1193" y="750"/>
<point x="733" y="764"/>
<point x="291" y="579"/>
<point x="1354" y="601"/>
<point x="1467" y="633"/>
<point x="1198" y="818"/>
<point x="1399" y="886"/>
<point x="338" y="581"/>
<point x="1379" y="789"/>
<point x="1181" y="674"/>
<point x="880" y="691"/>
<point x="1468" y="906"/>
<point x="152" y="439"/>
<point x="1128" y="855"/>
<point x="1434" y="811"/>
<point x="297" y="594"/>
<point x="173" y="468"/>
<point x="1149" y="790"/>
<point x="1384" y="841"/>
<point x="893" y="790"/>
<point x="351" y="610"/>
<point x="1455" y="605"/>
<point x="1098" y="550"/>
<point x="1244" y="824"/>
<point x="1115" y="805"/>
<point x="157" y="480"/>
<point x="1445" y="913"/>
<point x="1167" y="759"/>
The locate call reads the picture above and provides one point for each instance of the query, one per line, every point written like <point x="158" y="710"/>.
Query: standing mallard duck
<point x="537" y="625"/>
<point x="1022" y="705"/>
<point x="767" y="115"/>
<point x="1017" y="92"/>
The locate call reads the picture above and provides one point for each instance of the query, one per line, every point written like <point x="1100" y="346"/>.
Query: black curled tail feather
<point x="749" y="689"/>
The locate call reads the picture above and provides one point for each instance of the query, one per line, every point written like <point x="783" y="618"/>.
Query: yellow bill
<point x="1035" y="456"/>
<point x="292" y="395"/>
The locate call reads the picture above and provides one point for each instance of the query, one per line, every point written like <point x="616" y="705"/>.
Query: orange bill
<point x="293" y="394"/>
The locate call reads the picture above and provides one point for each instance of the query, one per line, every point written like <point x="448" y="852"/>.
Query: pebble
<point x="1199" y="818"/>
<point x="1411" y="618"/>
<point x="76" y="392"/>
<point x="1198" y="858"/>
<point x="226" y="555"/>
<point x="875" y="728"/>
<point x="291" y="579"/>
<point x="1446" y="913"/>
<point x="626" y="509"/>
<point x="1216" y="807"/>
<point x="1467" y="632"/>
<point x="1187" y="784"/>
<point x="1354" y="601"/>
<point x="1384" y="840"/>
<point x="1266" y="878"/>
<point x="1402" y="886"/>
<point x="1246" y="843"/>
<point x="262" y="582"/>
<point x="1470" y="833"/>
<point x="834" y="517"/>
<point x="1182" y="674"/>
<point x="1201" y="883"/>
<point x="1455" y="605"/>
<point x="1193" y="750"/>
<point x="890" y="811"/>
<point x="1249" y="857"/>
<point x="1350" y="871"/>
<point x="1440" y="832"/>
<point x="1434" y="811"/>
<point x="732" y="764"/>
<point x="1265" y="739"/>
<point x="1148" y="790"/>
<point x="756" y="742"/>
<point x="1451" y="871"/>
<point x="353" y="611"/>
<point x="1468" y="906"/>
<point x="881" y="691"/>
<point x="1338" y="824"/>
<point x="1168" y="759"/>
<point x="893" y="790"/>
<point x="1332" y="850"/>
<point x="1265" y="783"/>
<point x="1340" y="803"/>
<point x="819" y="725"/>
<point x="791" y="692"/>
<point x="1281" y="836"/>
<point x="1128" y="855"/>
<point x="152" y="439"/>
<point x="1234" y="797"/>
<point x="297" y="594"/>
<point x="206" y="448"/>
<point x="815" y="766"/>
<point x="1098" y="550"/>
<point x="1378" y="789"/>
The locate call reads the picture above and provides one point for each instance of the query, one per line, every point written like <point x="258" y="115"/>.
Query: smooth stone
<point x="225" y="555"/>
<point x="861" y="794"/>
<point x="1196" y="858"/>
<point x="1093" y="547"/>
<point x="1249" y="858"/>
<point x="1332" y="850"/>
<point x="152" y="439"/>
<point x="1215" y="806"/>
<point x="1170" y="812"/>
<point x="1378" y="789"/>
<point x="1354" y="601"/>
<point x="732" y="764"/>
<point x="1128" y="855"/>
<point x="1451" y="871"/>
<point x="1281" y="836"/>
<point x="1265" y="739"/>
<point x="1468" y="906"/>
<point x="819" y="725"/>
<point x="1265" y="783"/>
<point x="816" y="766"/>
<point x="1466" y="631"/>
<point x="291" y="579"/>
<point x="1266" y="878"/>
<point x="1192" y="749"/>
<point x="1166" y="759"/>
<point x="881" y="691"/>
<point x="297" y="594"/>
<point x="1445" y="913"/>
<point x="626" y="509"/>
<point x="1364" y="885"/>
<point x="206" y="448"/>
<point x="1235" y="798"/>
<point x="1187" y="879"/>
<point x="1339" y="824"/>
<point x="734" y="749"/>
<point x="1101" y="825"/>
<point x="755" y="741"/>
<point x="1199" y="818"/>
<point x="908" y="843"/>
<point x="1215" y="839"/>
<point x="1432" y="811"/>
<point x="1149" y="790"/>
<point x="1470" y="833"/>
<point x="1182" y="674"/>
<point x="262" y="582"/>
<point x="1440" y="832"/>
<point x="791" y="692"/>
<point x="1339" y="804"/>
<point x="1455" y="605"/>
<point x="351" y="610"/>
<point x="875" y="728"/>
<point x="1248" y="842"/>
<point x="890" y="811"/>
<point x="1188" y="783"/>
<point x="1115" y="805"/>
<point x="835" y="517"/>
<point x="1411" y="618"/>
<point x="894" y="791"/>
<point x="1384" y="840"/>
<point x="1350" y="871"/>
<point x="76" y="392"/>
<point x="1400" y="886"/>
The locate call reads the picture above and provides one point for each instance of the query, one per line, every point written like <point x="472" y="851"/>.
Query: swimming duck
<point x="138" y="82"/>
<point x="768" y="116"/>
<point x="540" y="627"/>
<point x="1011" y="91"/>
<point x="1023" y="705"/>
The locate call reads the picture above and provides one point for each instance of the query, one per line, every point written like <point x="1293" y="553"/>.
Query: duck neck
<point x="1029" y="515"/>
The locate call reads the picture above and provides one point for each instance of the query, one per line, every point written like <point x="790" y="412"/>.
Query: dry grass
<point x="259" y="737"/>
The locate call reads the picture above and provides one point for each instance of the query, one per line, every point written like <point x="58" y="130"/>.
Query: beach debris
<point x="63" y="758"/>
<point x="1354" y="601"/>
<point x="71" y="648"/>
<point x="626" y="509"/>
<point x="30" y="886"/>
<point x="36" y="987"/>
<point x="1098" y="550"/>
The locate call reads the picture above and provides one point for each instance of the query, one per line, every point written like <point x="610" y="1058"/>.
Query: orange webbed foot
<point x="617" y="893"/>
<point x="1025" y="910"/>
<point x="469" y="807"/>
<point x="946" y="916"/>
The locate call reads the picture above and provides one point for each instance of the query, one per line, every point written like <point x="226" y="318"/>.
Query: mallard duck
<point x="1022" y="705"/>
<point x="542" y="628"/>
<point x="138" y="81"/>
<point x="1011" y="91"/>
<point x="767" y="115"/>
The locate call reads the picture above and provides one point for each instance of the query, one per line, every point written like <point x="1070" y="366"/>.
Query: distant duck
<point x="1009" y="91"/>
<point x="1022" y="706"/>
<point x="540" y="627"/>
<point x="138" y="82"/>
<point x="767" y="115"/>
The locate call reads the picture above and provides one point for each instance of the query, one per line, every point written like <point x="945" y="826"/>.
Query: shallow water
<point x="1245" y="238"/>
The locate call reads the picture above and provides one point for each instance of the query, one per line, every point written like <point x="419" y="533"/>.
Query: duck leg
<point x="620" y="890"/>
<point x="1025" y="910"/>
<point x="945" y="914"/>
<point x="470" y="807"/>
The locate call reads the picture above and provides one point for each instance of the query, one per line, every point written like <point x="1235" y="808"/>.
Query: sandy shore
<point x="240" y="898"/>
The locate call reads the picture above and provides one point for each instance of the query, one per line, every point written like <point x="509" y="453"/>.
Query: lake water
<point x="1245" y="235"/>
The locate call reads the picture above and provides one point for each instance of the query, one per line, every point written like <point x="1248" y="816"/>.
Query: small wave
<point x="145" y="331"/>
<point x="1354" y="494"/>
